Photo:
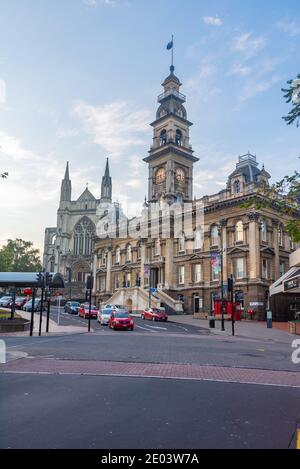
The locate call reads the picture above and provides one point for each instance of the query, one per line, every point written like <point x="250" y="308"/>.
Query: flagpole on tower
<point x="172" y="51"/>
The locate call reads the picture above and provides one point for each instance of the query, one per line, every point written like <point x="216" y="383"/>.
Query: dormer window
<point x="163" y="137"/>
<point x="178" y="137"/>
<point x="237" y="187"/>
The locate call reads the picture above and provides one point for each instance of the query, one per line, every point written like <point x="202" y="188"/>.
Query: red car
<point x="121" y="320"/>
<point x="84" y="311"/>
<point x="154" y="314"/>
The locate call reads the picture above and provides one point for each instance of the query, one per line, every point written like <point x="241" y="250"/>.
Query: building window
<point x="237" y="187"/>
<point x="157" y="247"/>
<point x="102" y="283"/>
<point x="240" y="267"/>
<point x="214" y="272"/>
<point x="198" y="239"/>
<point x="84" y="233"/>
<point x="128" y="253"/>
<point x="181" y="275"/>
<point x="214" y="235"/>
<point x="178" y="137"/>
<point x="118" y="255"/>
<point x="263" y="231"/>
<point x="128" y="280"/>
<point x="163" y="137"/>
<point x="116" y="281"/>
<point x="139" y="251"/>
<point x="280" y="237"/>
<point x="264" y="269"/>
<point x="281" y="268"/>
<point x="197" y="273"/>
<point x="292" y="244"/>
<point x="103" y="258"/>
<point x="239" y="231"/>
<point x="181" y="244"/>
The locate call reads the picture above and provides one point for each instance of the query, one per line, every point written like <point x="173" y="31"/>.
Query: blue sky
<point x="79" y="81"/>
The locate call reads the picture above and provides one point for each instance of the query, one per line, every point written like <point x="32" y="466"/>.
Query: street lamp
<point x="220" y="232"/>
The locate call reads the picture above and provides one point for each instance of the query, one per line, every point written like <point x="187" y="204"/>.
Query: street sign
<point x="293" y="283"/>
<point x="256" y="303"/>
<point x="153" y="290"/>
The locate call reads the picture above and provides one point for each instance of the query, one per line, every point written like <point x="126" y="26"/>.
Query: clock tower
<point x="171" y="157"/>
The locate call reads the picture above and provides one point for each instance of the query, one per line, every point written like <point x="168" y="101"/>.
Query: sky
<point x="79" y="81"/>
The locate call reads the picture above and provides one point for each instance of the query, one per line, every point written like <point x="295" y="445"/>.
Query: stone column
<point x="169" y="264"/>
<point x="108" y="270"/>
<point x="254" y="246"/>
<point x="94" y="268"/>
<point x="276" y="226"/>
<point x="223" y="227"/>
<point x="143" y="257"/>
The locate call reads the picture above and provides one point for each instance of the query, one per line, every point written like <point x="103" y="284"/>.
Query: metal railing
<point x="170" y="92"/>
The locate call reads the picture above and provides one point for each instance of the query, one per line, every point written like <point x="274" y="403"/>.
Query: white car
<point x="5" y="301"/>
<point x="113" y="307"/>
<point x="104" y="315"/>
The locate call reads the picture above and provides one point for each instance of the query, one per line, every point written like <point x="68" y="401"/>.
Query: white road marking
<point x="145" y="328"/>
<point x="157" y="327"/>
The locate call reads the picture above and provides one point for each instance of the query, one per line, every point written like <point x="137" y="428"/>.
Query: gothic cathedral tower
<point x="171" y="156"/>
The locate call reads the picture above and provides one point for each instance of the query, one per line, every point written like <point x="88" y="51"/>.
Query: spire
<point x="106" y="185"/>
<point x="67" y="177"/>
<point x="66" y="186"/>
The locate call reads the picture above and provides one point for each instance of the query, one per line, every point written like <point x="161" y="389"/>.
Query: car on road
<point x="154" y="314"/>
<point x="20" y="302"/>
<point x="5" y="301"/>
<point x="84" y="311"/>
<point x="72" y="307"/>
<point x="37" y="304"/>
<point x="113" y="307"/>
<point x="121" y="319"/>
<point x="104" y="315"/>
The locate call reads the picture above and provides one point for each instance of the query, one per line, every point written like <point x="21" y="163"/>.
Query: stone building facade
<point x="185" y="269"/>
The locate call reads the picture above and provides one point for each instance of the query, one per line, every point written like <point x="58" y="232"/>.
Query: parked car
<point x="37" y="304"/>
<point x="121" y="320"/>
<point x="5" y="301"/>
<point x="113" y="307"/>
<point x="83" y="311"/>
<point x="19" y="302"/>
<point x="72" y="307"/>
<point x="104" y="315"/>
<point x="154" y="314"/>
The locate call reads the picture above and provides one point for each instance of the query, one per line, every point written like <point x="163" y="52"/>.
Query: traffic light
<point x="48" y="278"/>
<point x="39" y="278"/>
<point x="230" y="284"/>
<point x="89" y="282"/>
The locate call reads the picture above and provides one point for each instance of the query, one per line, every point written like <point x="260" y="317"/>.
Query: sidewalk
<point x="256" y="330"/>
<point x="53" y="327"/>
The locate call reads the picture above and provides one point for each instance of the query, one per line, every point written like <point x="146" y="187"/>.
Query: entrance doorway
<point x="129" y="305"/>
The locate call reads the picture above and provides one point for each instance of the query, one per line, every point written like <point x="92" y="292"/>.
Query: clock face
<point x="180" y="175"/>
<point x="160" y="175"/>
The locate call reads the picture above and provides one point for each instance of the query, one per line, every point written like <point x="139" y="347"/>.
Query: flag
<point x="170" y="45"/>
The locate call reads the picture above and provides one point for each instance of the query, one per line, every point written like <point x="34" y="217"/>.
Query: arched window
<point x="239" y="231"/>
<point x="214" y="235"/>
<point x="237" y="187"/>
<point x="118" y="255"/>
<point x="198" y="239"/>
<point x="163" y="137"/>
<point x="263" y="231"/>
<point x="128" y="253"/>
<point x="280" y="236"/>
<point x="178" y="137"/>
<point x="139" y="250"/>
<point x="84" y="233"/>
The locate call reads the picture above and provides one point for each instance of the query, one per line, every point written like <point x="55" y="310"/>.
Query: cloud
<point x="116" y="127"/>
<point x="213" y="21"/>
<point x="2" y="92"/>
<point x="95" y="3"/>
<point x="248" y="44"/>
<point x="240" y="69"/>
<point x="252" y="88"/>
<point x="65" y="133"/>
<point x="201" y="86"/>
<point x="290" y="27"/>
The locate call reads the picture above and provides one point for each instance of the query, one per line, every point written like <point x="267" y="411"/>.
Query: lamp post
<point x="220" y="231"/>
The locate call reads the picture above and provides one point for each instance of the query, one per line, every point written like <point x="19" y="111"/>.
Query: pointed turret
<point x="66" y="186"/>
<point x="106" y="185"/>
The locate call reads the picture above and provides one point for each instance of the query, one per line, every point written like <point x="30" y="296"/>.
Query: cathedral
<point x="185" y="272"/>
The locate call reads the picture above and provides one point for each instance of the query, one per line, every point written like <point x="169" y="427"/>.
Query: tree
<point x="284" y="196"/>
<point x="292" y="95"/>
<point x="19" y="256"/>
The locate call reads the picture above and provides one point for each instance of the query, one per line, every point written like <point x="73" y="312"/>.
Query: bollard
<point x="211" y="322"/>
<point x="269" y="319"/>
